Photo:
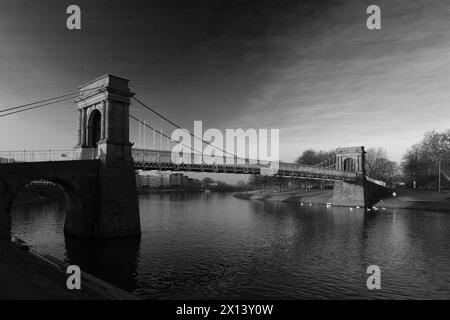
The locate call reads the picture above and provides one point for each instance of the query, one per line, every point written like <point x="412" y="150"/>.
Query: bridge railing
<point x="315" y="170"/>
<point x="380" y="183"/>
<point x="144" y="157"/>
<point x="48" y="155"/>
<point x="164" y="156"/>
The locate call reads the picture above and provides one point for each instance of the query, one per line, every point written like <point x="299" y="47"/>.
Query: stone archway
<point x="349" y="165"/>
<point x="94" y="128"/>
<point x="351" y="159"/>
<point x="79" y="179"/>
<point x="72" y="202"/>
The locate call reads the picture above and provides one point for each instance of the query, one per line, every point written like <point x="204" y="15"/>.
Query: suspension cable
<point x="187" y="131"/>
<point x="173" y="140"/>
<point x="34" y="107"/>
<point x="42" y="103"/>
<point x="325" y="162"/>
<point x="163" y="134"/>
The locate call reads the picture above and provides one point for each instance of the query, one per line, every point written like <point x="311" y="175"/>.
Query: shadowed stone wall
<point x="360" y="193"/>
<point x="79" y="179"/>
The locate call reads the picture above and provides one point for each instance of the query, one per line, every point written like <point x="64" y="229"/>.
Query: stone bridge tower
<point x="103" y="114"/>
<point x="351" y="159"/>
<point x="354" y="193"/>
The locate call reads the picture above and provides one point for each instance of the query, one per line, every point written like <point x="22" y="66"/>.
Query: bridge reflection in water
<point x="197" y="246"/>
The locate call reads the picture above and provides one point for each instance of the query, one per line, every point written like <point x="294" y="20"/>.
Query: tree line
<point x="422" y="160"/>
<point x="378" y="166"/>
<point x="420" y="164"/>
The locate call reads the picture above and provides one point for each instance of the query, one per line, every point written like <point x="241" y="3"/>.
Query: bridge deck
<point x="163" y="160"/>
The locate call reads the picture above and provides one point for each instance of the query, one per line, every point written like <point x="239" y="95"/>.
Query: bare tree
<point x="312" y="157"/>
<point x="424" y="161"/>
<point x="436" y="145"/>
<point x="378" y="165"/>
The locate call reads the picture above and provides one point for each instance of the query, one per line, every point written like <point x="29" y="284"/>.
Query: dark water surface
<point x="206" y="246"/>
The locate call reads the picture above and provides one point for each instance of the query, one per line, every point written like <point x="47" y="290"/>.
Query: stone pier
<point x="104" y="125"/>
<point x="351" y="193"/>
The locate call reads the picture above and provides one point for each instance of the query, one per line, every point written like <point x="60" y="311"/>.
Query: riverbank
<point x="157" y="191"/>
<point x="27" y="275"/>
<point x="405" y="199"/>
<point x="429" y="200"/>
<point x="312" y="196"/>
<point x="153" y="191"/>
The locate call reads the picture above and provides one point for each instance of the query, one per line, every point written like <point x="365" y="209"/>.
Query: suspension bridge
<point x="146" y="159"/>
<point x="98" y="173"/>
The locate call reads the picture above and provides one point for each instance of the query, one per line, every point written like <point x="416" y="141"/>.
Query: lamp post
<point x="439" y="178"/>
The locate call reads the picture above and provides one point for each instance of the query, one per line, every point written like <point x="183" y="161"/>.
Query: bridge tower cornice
<point x="107" y="87"/>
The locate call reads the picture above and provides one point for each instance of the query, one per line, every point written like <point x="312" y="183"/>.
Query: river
<point x="214" y="246"/>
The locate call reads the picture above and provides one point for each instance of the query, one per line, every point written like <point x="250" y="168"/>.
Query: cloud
<point x="346" y="86"/>
<point x="309" y="68"/>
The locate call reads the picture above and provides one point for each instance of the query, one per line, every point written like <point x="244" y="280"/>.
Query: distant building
<point x="160" y="179"/>
<point x="6" y="160"/>
<point x="153" y="181"/>
<point x="176" y="179"/>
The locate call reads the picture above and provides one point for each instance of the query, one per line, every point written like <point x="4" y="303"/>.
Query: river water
<point x="210" y="245"/>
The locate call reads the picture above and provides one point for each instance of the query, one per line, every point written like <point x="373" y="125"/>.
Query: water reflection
<point x="197" y="246"/>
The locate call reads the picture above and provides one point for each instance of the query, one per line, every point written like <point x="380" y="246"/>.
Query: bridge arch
<point x="78" y="179"/>
<point x="72" y="200"/>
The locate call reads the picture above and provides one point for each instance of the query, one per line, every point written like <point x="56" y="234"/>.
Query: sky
<point x="308" y="68"/>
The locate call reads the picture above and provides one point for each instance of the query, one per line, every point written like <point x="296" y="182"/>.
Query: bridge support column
<point x="5" y="219"/>
<point x="118" y="211"/>
<point x="6" y="194"/>
<point x="351" y="193"/>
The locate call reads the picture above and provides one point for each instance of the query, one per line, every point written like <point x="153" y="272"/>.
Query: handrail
<point x="145" y="156"/>
<point x="48" y="155"/>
